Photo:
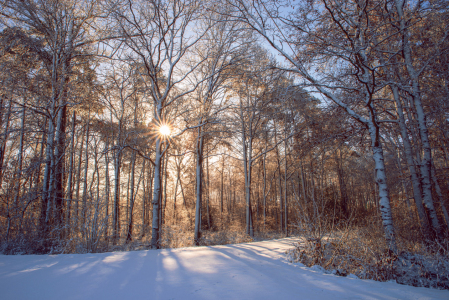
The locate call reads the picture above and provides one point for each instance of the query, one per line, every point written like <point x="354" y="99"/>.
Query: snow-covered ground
<point x="243" y="271"/>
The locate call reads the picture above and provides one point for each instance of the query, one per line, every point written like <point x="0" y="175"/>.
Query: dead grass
<point x="362" y="251"/>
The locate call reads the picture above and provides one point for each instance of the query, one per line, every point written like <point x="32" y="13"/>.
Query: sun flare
<point x="164" y="130"/>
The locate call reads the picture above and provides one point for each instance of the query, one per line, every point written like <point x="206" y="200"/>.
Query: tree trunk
<point x="165" y="189"/>
<point x="303" y="186"/>
<point x="247" y="165"/>
<point x="342" y="184"/>
<point x="426" y="164"/>
<point x="116" y="208"/>
<point x="78" y="181"/>
<point x="69" y="194"/>
<point x="4" y="139"/>
<point x="150" y="196"/>
<point x="285" y="190"/>
<point x="281" y="206"/>
<point x="107" y="190"/>
<point x="59" y="165"/>
<point x="144" y="199"/>
<point x="381" y="180"/>
<point x="411" y="165"/>
<point x="131" y="198"/>
<point x="440" y="197"/>
<point x="207" y="191"/>
<point x="156" y="196"/>
<point x="18" y="178"/>
<point x="264" y="190"/>
<point x="222" y="187"/>
<point x="178" y="175"/>
<point x="86" y="167"/>
<point x="45" y="205"/>
<point x="199" y="186"/>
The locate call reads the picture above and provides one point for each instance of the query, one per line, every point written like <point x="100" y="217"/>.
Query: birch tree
<point x="406" y="14"/>
<point x="328" y="44"/>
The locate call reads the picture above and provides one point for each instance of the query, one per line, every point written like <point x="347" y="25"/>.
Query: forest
<point x="147" y="124"/>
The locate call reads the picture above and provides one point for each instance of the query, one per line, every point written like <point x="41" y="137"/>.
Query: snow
<point x="257" y="270"/>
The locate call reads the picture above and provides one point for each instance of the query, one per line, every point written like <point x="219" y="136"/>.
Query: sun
<point x="164" y="130"/>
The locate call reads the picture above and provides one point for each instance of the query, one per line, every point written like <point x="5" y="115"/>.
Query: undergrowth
<point x="362" y="251"/>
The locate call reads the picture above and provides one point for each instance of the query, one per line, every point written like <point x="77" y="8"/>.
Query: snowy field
<point x="243" y="271"/>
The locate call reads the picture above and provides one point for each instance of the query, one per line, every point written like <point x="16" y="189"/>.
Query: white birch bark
<point x="426" y="164"/>
<point x="165" y="187"/>
<point x="156" y="196"/>
<point x="383" y="193"/>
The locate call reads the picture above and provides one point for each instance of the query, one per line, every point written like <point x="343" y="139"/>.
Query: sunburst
<point x="164" y="130"/>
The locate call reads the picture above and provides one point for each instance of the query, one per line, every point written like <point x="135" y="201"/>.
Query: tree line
<point x="283" y="116"/>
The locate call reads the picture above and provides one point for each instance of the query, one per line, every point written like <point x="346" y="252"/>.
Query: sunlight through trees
<point x="174" y="123"/>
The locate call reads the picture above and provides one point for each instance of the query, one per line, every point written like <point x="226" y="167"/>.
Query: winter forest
<point x="147" y="124"/>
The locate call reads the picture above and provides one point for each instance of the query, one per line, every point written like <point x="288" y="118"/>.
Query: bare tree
<point x="328" y="33"/>
<point x="159" y="36"/>
<point x="221" y="47"/>
<point x="59" y="31"/>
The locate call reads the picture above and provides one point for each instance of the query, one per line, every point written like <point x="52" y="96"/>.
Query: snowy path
<point x="243" y="271"/>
